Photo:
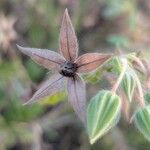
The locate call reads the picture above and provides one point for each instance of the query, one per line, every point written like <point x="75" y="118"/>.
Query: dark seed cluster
<point x="68" y="69"/>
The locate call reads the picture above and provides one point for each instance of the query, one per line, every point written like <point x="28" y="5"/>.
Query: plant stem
<point x="139" y="86"/>
<point x="116" y="85"/>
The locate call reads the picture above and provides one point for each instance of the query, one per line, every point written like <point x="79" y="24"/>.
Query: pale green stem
<point x="116" y="85"/>
<point x="139" y="86"/>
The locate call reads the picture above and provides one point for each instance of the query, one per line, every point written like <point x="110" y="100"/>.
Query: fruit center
<point x="68" y="69"/>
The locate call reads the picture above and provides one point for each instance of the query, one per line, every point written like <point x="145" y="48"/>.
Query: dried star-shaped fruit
<point x="68" y="66"/>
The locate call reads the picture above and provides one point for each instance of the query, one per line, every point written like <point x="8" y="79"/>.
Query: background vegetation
<point x="101" y="26"/>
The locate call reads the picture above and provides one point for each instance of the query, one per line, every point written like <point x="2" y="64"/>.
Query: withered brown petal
<point x="50" y="87"/>
<point x="48" y="59"/>
<point x="89" y="62"/>
<point x="68" y="44"/>
<point x="77" y="96"/>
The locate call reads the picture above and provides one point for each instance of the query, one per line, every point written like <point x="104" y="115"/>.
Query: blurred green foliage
<point x="102" y="25"/>
<point x="34" y="70"/>
<point x="93" y="77"/>
<point x="54" y="99"/>
<point x="147" y="97"/>
<point x="119" y="41"/>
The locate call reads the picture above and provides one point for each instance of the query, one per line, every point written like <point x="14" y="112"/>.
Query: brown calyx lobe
<point x="68" y="69"/>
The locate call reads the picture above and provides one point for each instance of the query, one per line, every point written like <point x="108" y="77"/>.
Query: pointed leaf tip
<point x="68" y="44"/>
<point x="66" y="11"/>
<point x="50" y="87"/>
<point x="19" y="47"/>
<point x="66" y="15"/>
<point x="47" y="58"/>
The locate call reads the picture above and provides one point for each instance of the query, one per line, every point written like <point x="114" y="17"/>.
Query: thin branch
<point x="116" y="85"/>
<point x="139" y="86"/>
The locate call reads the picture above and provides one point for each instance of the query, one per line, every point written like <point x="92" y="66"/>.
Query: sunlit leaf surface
<point x="147" y="97"/>
<point x="102" y="114"/>
<point x="142" y="121"/>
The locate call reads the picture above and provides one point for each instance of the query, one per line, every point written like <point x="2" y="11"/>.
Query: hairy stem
<point x="116" y="85"/>
<point x="139" y="86"/>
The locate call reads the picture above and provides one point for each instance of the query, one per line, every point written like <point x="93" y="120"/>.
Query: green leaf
<point x="54" y="99"/>
<point x="102" y="114"/>
<point x="142" y="121"/>
<point x="117" y="64"/>
<point x="119" y="41"/>
<point x="16" y="112"/>
<point x="93" y="77"/>
<point x="35" y="71"/>
<point x="147" y="98"/>
<point x="113" y="8"/>
<point x="128" y="84"/>
<point x="36" y="34"/>
<point x="132" y="57"/>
